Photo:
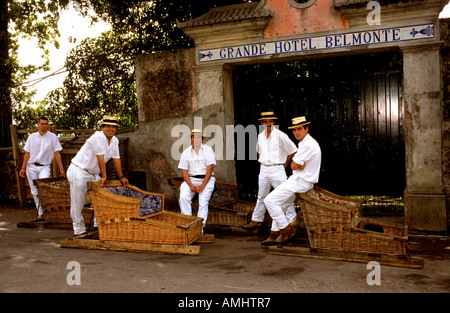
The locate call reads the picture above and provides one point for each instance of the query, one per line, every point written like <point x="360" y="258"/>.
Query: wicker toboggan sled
<point x="334" y="223"/>
<point x="129" y="214"/>
<point x="337" y="230"/>
<point x="54" y="197"/>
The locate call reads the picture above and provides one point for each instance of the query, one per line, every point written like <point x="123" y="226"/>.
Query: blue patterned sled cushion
<point x="223" y="193"/>
<point x="150" y="203"/>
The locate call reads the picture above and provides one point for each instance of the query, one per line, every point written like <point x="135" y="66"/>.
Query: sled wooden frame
<point x="359" y="257"/>
<point x="95" y="244"/>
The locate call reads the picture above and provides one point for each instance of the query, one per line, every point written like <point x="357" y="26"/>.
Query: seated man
<point x="197" y="168"/>
<point x="305" y="167"/>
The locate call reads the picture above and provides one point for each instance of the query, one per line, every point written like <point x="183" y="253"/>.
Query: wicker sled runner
<point x="54" y="197"/>
<point x="130" y="214"/>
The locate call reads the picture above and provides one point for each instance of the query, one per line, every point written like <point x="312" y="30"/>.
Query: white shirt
<point x="42" y="148"/>
<point x="196" y="164"/>
<point x="96" y="145"/>
<point x="308" y="152"/>
<point x="276" y="148"/>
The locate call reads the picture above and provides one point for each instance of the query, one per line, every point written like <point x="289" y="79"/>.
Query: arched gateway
<point x="197" y="88"/>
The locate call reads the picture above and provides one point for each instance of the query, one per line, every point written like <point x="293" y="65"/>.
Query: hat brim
<point x="299" y="125"/>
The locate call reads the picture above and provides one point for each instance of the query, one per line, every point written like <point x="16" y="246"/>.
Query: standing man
<point x="275" y="151"/>
<point x="40" y="149"/>
<point x="197" y="168"/>
<point x="90" y="165"/>
<point x="305" y="173"/>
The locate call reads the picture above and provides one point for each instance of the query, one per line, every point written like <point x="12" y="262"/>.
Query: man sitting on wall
<point x="305" y="167"/>
<point x="197" y="168"/>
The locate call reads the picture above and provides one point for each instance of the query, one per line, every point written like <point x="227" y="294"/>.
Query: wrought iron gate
<point x="355" y="105"/>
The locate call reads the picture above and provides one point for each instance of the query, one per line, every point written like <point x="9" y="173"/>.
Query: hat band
<point x="299" y="124"/>
<point x="109" y="121"/>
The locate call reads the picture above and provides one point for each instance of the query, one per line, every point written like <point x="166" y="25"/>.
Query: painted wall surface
<point x="289" y="20"/>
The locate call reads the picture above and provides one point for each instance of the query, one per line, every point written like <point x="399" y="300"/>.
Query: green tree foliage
<point x="23" y="19"/>
<point x="101" y="78"/>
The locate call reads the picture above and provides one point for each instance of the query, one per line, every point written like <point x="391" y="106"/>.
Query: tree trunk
<point x="5" y="78"/>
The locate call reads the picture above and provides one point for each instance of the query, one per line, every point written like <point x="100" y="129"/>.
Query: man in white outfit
<point x="40" y="149"/>
<point x="275" y="151"/>
<point x="197" y="168"/>
<point x="305" y="173"/>
<point x="90" y="165"/>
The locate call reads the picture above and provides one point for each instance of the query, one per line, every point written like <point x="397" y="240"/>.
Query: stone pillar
<point x="424" y="198"/>
<point x="215" y="95"/>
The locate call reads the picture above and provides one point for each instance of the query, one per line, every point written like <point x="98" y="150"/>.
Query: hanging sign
<point x="362" y="38"/>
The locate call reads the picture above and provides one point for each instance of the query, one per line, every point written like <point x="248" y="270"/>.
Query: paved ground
<point x="31" y="260"/>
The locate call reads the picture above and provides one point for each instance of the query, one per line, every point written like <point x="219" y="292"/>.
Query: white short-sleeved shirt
<point x="96" y="145"/>
<point x="276" y="148"/>
<point x="196" y="164"/>
<point x="308" y="153"/>
<point x="42" y="148"/>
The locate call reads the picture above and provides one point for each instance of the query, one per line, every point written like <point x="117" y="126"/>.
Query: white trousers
<point x="37" y="172"/>
<point x="186" y="196"/>
<point x="270" y="176"/>
<point x="78" y="179"/>
<point x="282" y="197"/>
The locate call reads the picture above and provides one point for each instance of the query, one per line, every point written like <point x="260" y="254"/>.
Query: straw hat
<point x="110" y="120"/>
<point x="267" y="116"/>
<point x="196" y="132"/>
<point x="299" y="121"/>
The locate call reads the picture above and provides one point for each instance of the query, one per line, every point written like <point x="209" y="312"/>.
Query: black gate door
<point x="355" y="105"/>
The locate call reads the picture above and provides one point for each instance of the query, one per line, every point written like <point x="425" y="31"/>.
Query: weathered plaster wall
<point x="445" y="65"/>
<point x="173" y="92"/>
<point x="166" y="85"/>
<point x="424" y="198"/>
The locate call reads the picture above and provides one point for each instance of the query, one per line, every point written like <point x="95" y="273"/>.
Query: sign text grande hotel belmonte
<point x="379" y="36"/>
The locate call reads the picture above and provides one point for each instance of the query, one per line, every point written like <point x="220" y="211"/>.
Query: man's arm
<point x="186" y="178"/>
<point x="288" y="159"/>
<point x="296" y="166"/>
<point x="58" y="160"/>
<point x="24" y="164"/>
<point x="209" y="170"/>
<point x="102" y="166"/>
<point x="118" y="167"/>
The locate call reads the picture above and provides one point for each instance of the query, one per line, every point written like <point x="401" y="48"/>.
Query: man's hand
<point x="296" y="166"/>
<point x="124" y="181"/>
<point x="201" y="187"/>
<point x="102" y="180"/>
<point x="193" y="188"/>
